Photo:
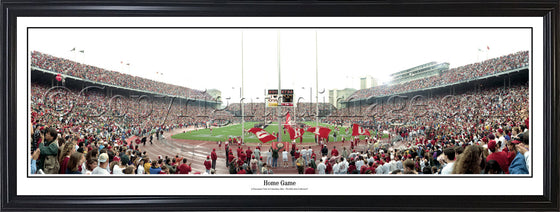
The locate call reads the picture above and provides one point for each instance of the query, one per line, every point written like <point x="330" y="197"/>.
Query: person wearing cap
<point x="239" y="151"/>
<point x="214" y="157"/>
<point x="500" y="139"/>
<point x="103" y="163"/>
<point x="518" y="165"/>
<point x="498" y="156"/>
<point x="208" y="164"/>
<point x="300" y="164"/>
<point x="242" y="157"/>
<point x="387" y="166"/>
<point x="329" y="167"/>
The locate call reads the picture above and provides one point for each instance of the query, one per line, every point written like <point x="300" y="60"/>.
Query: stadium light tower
<point x="242" y="95"/>
<point x="310" y="97"/>
<point x="317" y="82"/>
<point x="279" y="85"/>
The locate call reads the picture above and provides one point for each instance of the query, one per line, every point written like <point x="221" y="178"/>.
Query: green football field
<point x="223" y="133"/>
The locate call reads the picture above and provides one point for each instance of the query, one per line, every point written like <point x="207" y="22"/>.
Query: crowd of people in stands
<point x="478" y="132"/>
<point x="96" y="74"/>
<point x="488" y="135"/>
<point x="95" y="122"/>
<point x="259" y="112"/>
<point x="468" y="72"/>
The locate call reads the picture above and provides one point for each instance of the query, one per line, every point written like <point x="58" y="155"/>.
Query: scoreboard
<point x="284" y="98"/>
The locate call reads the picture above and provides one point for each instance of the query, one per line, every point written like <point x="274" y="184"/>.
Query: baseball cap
<point x="500" y="131"/>
<point x="518" y="139"/>
<point x="103" y="158"/>
<point x="492" y="144"/>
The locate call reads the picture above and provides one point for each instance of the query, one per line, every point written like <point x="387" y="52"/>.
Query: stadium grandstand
<point x="503" y="65"/>
<point x="419" y="72"/>
<point x="479" y="110"/>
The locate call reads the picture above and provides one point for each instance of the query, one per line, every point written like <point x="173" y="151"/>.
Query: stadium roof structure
<point x="421" y="71"/>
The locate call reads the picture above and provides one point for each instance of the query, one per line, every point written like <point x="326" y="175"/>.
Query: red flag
<point x="295" y="132"/>
<point x="357" y="130"/>
<point x="262" y="135"/>
<point x="287" y="123"/>
<point x="322" y="132"/>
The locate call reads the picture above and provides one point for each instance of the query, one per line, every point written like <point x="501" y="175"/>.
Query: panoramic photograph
<point x="288" y="101"/>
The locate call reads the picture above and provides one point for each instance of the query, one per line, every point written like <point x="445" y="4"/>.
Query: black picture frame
<point x="548" y="10"/>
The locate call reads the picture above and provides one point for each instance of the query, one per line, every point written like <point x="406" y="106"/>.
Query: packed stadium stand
<point x="479" y="126"/>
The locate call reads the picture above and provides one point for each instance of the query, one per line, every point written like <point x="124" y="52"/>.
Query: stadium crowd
<point x="96" y="74"/>
<point x="459" y="74"/>
<point x="259" y="112"/>
<point x="94" y="122"/>
<point x="478" y="132"/>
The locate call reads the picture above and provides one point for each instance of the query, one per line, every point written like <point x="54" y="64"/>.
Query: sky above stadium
<point x="212" y="58"/>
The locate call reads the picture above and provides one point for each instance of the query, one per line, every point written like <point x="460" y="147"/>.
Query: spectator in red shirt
<point x="500" y="157"/>
<point x="208" y="164"/>
<point x="309" y="170"/>
<point x="334" y="152"/>
<point x="248" y="156"/>
<point x="329" y="167"/>
<point x="214" y="157"/>
<point x="184" y="168"/>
